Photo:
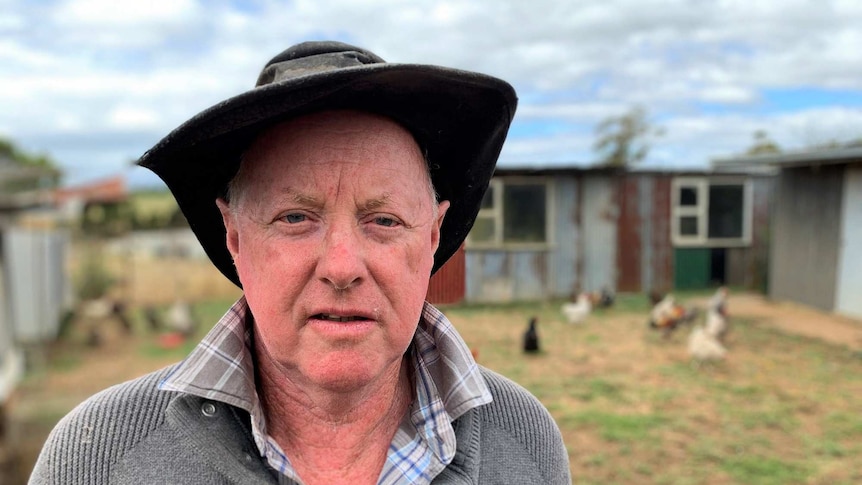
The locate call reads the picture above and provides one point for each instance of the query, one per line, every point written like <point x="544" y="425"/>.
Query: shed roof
<point x="604" y="170"/>
<point x="808" y="158"/>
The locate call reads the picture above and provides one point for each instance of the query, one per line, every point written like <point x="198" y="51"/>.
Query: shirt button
<point x="208" y="409"/>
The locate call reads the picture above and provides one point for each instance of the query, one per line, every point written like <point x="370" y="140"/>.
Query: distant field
<point x="783" y="409"/>
<point x="158" y="203"/>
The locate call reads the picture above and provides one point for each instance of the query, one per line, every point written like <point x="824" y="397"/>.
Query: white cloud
<point x="144" y="67"/>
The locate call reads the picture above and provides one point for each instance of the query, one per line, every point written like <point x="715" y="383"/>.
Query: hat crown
<point x="314" y="57"/>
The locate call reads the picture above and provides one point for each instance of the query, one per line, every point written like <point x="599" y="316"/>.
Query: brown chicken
<point x="667" y="315"/>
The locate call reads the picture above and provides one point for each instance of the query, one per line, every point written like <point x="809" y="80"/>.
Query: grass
<point x="782" y="409"/>
<point x="632" y="408"/>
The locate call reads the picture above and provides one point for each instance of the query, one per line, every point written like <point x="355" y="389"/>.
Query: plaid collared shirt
<point x="448" y="384"/>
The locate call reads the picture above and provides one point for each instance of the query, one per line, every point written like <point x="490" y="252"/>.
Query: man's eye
<point x="293" y="218"/>
<point x="385" y="221"/>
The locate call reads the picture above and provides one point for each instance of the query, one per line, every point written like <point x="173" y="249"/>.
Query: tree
<point x="624" y="140"/>
<point x="45" y="171"/>
<point x="762" y="144"/>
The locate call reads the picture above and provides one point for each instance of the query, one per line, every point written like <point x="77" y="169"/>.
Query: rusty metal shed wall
<point x="628" y="247"/>
<point x="644" y="249"/>
<point x="806" y="231"/>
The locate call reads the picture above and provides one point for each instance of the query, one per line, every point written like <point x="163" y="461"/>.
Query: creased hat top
<point x="312" y="57"/>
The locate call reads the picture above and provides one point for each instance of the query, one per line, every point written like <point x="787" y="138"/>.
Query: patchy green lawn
<point x="781" y="409"/>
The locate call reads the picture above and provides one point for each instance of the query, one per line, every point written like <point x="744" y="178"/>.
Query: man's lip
<point x="341" y="316"/>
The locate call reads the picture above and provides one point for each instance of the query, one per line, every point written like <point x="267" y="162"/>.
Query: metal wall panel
<point x="565" y="261"/>
<point x="502" y="276"/>
<point x="629" y="241"/>
<point x="11" y="358"/>
<point x="599" y="233"/>
<point x="447" y="286"/>
<point x="660" y="260"/>
<point x="36" y="282"/>
<point x="849" y="291"/>
<point x="806" y="231"/>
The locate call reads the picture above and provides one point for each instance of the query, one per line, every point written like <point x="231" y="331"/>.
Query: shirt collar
<point x="447" y="378"/>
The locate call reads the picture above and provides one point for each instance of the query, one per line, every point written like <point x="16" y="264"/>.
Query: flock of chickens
<point x="705" y="342"/>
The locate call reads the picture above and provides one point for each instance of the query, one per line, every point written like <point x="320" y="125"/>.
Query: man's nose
<point x="341" y="263"/>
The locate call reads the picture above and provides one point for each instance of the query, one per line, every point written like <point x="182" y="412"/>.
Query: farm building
<point x="816" y="256"/>
<point x="32" y="272"/>
<point x="545" y="233"/>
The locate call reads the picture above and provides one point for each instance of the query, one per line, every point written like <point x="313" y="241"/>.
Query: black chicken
<point x="531" y="338"/>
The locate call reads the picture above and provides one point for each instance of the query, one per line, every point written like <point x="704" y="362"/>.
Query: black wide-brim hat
<point x="459" y="118"/>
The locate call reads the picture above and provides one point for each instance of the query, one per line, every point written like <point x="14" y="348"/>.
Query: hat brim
<point x="459" y="118"/>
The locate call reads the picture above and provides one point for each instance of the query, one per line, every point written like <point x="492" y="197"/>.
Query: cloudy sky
<point x="94" y="83"/>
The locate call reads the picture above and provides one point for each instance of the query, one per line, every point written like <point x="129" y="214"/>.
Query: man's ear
<point x="231" y="236"/>
<point x="442" y="207"/>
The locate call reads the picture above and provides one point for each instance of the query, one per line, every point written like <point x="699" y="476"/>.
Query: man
<point x="330" y="193"/>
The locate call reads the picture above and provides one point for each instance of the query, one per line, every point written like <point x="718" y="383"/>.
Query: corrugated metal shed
<point x="806" y="230"/>
<point x="610" y="228"/>
<point x="816" y="254"/>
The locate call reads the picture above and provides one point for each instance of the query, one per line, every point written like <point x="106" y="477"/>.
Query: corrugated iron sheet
<point x="447" y="286"/>
<point x="629" y="243"/>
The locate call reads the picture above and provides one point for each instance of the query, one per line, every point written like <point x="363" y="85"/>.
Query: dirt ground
<point x="798" y="319"/>
<point x="45" y="396"/>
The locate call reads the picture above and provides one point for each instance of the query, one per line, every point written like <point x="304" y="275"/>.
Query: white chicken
<point x="703" y="347"/>
<point x="716" y="314"/>
<point x="577" y="311"/>
<point x="180" y="319"/>
<point x="716" y="324"/>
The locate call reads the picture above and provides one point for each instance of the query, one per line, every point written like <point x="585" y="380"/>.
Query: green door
<point x="691" y="268"/>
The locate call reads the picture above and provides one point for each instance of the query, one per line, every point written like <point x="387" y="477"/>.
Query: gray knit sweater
<point x="133" y="434"/>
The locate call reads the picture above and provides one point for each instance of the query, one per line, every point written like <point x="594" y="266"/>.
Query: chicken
<point x="531" y="338"/>
<point x="602" y="299"/>
<point x="179" y="319"/>
<point x="703" y="347"/>
<point x="718" y="302"/>
<point x="716" y="314"/>
<point x="118" y="310"/>
<point x="716" y="324"/>
<point x="577" y="311"/>
<point x="153" y="319"/>
<point x="667" y="315"/>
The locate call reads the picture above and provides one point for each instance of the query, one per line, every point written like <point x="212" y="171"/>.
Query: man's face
<point x="333" y="237"/>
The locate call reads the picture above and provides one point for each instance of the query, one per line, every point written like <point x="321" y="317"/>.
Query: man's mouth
<point x="337" y="318"/>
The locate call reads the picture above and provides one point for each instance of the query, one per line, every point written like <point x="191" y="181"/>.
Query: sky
<point x="95" y="83"/>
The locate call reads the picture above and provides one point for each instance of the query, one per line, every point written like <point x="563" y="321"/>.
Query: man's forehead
<point x="333" y="125"/>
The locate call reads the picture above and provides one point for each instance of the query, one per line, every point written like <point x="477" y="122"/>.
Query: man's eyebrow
<point x="292" y="195"/>
<point x="376" y="203"/>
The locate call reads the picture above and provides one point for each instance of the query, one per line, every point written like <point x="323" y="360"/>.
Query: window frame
<point x="498" y="214"/>
<point x="701" y="211"/>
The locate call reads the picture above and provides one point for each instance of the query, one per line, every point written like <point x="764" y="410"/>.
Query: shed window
<point x="513" y="212"/>
<point x="711" y="212"/>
